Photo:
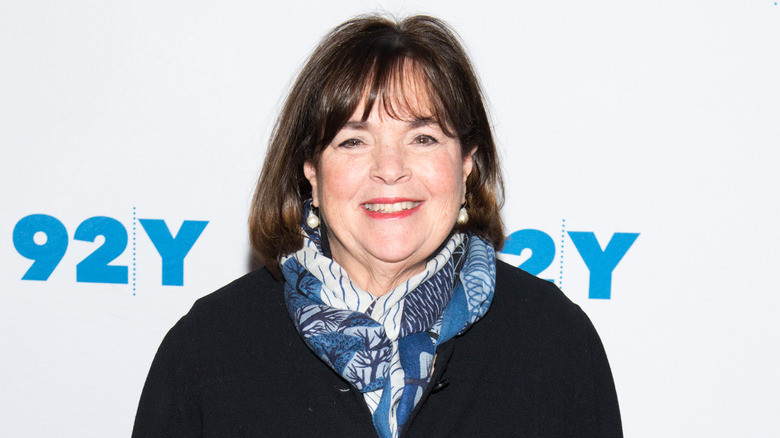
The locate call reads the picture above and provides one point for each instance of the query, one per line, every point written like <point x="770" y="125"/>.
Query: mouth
<point x="391" y="207"/>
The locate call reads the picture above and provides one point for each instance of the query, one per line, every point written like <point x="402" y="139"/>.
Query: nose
<point x="390" y="164"/>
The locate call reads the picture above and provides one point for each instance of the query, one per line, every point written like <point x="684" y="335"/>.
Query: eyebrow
<point x="425" y="121"/>
<point x="356" y="125"/>
<point x="360" y="125"/>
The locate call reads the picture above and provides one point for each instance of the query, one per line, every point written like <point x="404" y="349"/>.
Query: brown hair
<point x="365" y="59"/>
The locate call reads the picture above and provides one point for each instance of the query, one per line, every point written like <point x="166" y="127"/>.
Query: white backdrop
<point x="654" y="118"/>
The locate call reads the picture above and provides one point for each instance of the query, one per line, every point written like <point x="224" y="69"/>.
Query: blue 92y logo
<point x="600" y="262"/>
<point x="97" y="267"/>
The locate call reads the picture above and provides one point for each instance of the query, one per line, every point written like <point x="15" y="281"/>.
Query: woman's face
<point x="389" y="191"/>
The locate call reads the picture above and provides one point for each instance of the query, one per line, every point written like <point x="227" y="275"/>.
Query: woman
<point x="381" y="310"/>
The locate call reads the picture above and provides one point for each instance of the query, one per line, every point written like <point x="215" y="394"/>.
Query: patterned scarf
<point x="384" y="347"/>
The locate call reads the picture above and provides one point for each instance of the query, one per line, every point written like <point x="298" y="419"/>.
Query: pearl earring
<point x="312" y="220"/>
<point x="463" y="216"/>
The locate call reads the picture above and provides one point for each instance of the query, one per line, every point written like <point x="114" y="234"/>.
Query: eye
<point x="424" y="140"/>
<point x="351" y="143"/>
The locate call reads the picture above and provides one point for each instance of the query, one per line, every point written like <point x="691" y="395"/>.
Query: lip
<point x="396" y="215"/>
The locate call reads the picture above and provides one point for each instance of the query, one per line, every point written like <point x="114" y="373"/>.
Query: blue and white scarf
<point x="384" y="346"/>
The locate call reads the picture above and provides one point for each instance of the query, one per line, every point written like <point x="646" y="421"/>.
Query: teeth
<point x="391" y="208"/>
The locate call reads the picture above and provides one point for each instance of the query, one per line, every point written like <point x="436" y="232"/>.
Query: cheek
<point x="337" y="184"/>
<point x="445" y="180"/>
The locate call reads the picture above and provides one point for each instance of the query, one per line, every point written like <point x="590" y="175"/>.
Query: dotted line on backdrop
<point x="134" y="225"/>
<point x="563" y="239"/>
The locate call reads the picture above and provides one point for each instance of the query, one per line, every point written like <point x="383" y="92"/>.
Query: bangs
<point x="394" y="79"/>
<point x="405" y="93"/>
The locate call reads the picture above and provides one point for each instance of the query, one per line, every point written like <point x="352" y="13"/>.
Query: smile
<point x="391" y="208"/>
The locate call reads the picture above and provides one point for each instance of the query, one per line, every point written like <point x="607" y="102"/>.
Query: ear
<point x="310" y="172"/>
<point x="468" y="166"/>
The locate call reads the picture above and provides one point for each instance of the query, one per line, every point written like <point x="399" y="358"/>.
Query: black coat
<point x="235" y="366"/>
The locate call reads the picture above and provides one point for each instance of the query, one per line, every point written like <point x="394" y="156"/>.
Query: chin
<point x="390" y="254"/>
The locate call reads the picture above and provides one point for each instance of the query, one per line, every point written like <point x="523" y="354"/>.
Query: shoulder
<point x="239" y="302"/>
<point x="524" y="295"/>
<point x="547" y="372"/>
<point x="256" y="287"/>
<point x="559" y="349"/>
<point x="549" y="334"/>
<point x="509" y="277"/>
<point x="222" y="358"/>
<point x="534" y="313"/>
<point x="241" y="321"/>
